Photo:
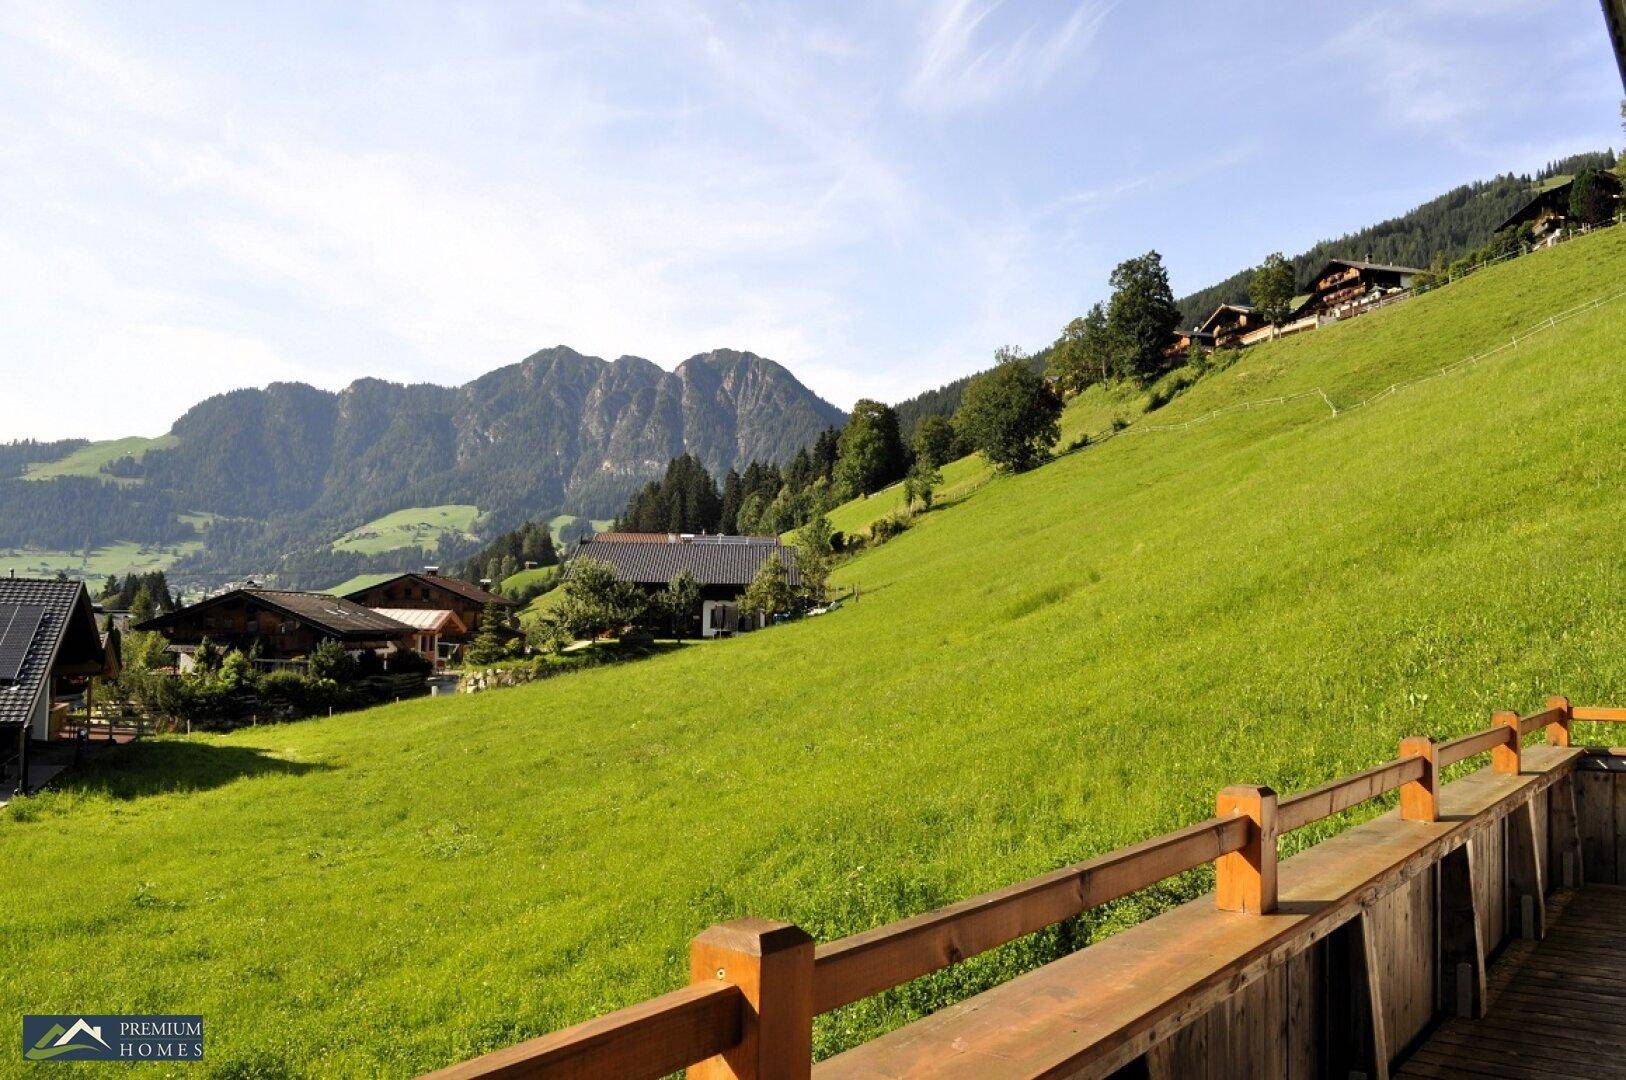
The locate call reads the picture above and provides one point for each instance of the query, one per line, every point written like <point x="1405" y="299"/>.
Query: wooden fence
<point x="757" y="984"/>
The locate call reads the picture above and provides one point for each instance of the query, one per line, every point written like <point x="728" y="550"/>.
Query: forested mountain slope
<point x="1064" y="662"/>
<point x="294" y="467"/>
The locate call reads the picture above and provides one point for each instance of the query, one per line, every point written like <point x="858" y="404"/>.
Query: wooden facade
<point x="1345" y="287"/>
<point x="432" y="591"/>
<point x="1354" y="957"/>
<point x="281" y="625"/>
<point x="1229" y="324"/>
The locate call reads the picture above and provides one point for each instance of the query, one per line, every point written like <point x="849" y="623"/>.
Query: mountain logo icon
<point x="60" y="1041"/>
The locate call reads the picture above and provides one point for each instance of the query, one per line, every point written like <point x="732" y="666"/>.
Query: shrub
<point x="329" y="661"/>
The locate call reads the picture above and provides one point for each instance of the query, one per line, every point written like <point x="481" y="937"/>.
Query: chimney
<point x="431" y="569"/>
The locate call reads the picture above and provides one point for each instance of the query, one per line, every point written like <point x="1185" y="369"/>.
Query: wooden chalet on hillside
<point x="723" y="566"/>
<point x="1231" y="326"/>
<point x="430" y="590"/>
<point x="284" y="625"/>
<point x="1345" y="287"/>
<point x="50" y="648"/>
<point x="1545" y="216"/>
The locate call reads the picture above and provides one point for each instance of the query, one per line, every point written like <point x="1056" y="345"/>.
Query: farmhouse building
<point x="432" y="629"/>
<point x="722" y="565"/>
<point x="1345" y="287"/>
<point x="1231" y="326"/>
<point x="1181" y="341"/>
<point x="431" y="591"/>
<point x="49" y="650"/>
<point x="284" y="625"/>
<point x="1545" y="216"/>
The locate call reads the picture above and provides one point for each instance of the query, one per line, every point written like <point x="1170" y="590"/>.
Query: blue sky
<point x="876" y="195"/>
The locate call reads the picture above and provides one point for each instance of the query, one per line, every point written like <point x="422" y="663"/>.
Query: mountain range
<point x="291" y="466"/>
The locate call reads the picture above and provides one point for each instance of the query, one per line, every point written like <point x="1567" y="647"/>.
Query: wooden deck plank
<point x="1093" y="1011"/>
<point x="1561" y="1007"/>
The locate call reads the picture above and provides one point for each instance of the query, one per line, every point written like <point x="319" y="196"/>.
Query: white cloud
<point x="965" y="59"/>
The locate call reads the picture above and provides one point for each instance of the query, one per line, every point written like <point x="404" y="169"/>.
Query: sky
<point x="877" y="195"/>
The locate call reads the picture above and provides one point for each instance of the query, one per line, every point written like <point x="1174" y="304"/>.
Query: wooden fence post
<point x="1246" y="880"/>
<point x="772" y="964"/>
<point x="1420" y="799"/>
<point x="1505" y="758"/>
<point x="1558" y="731"/>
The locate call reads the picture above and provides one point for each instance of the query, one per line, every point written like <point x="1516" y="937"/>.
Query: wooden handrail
<point x="1466" y="746"/>
<point x="708" y="1018"/>
<point x="1311" y="806"/>
<point x="857" y="966"/>
<point x="649" y="1040"/>
<point x="1527" y="724"/>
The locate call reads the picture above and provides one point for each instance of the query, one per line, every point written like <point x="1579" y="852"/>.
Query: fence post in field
<point x="1420" y="799"/>
<point x="1558" y="731"/>
<point x="1505" y="758"/>
<point x="1245" y="880"/>
<point x="772" y="964"/>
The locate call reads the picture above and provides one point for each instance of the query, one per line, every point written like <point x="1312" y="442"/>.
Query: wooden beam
<point x="1595" y="818"/>
<point x="1525" y="878"/>
<point x="1505" y="757"/>
<point x="1596" y="713"/>
<point x="1245" y="880"/>
<point x="1311" y="806"/>
<point x="1466" y="746"/>
<point x="1565" y="864"/>
<point x="1354" y="1034"/>
<point x="867" y="963"/>
<point x="1420" y="798"/>
<point x="1558" y="729"/>
<point x="772" y="965"/>
<point x="1461" y="951"/>
<point x="644" y="1041"/>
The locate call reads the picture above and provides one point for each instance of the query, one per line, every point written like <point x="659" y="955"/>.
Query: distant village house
<point x="50" y="648"/>
<point x="429" y="590"/>
<point x="283" y="625"/>
<point x="723" y="566"/>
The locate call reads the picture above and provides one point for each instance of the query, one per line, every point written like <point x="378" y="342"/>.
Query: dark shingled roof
<point x="466" y="589"/>
<point x="334" y="615"/>
<point x="60" y="599"/>
<point x="712" y="560"/>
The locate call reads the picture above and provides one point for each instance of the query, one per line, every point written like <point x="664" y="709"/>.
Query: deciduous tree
<point x="1011" y="414"/>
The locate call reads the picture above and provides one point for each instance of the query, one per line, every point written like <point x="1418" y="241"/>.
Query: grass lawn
<point x="415" y="527"/>
<point x="88" y="460"/>
<point x="1066" y="661"/>
<point x="562" y="520"/>
<point x="527" y="578"/>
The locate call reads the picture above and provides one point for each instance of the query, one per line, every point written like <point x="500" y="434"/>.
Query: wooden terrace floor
<point x="1557" y="1007"/>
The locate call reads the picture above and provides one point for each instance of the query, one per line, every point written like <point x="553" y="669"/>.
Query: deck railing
<point x="756" y="984"/>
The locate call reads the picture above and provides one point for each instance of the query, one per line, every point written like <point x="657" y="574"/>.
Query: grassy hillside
<point x="88" y="460"/>
<point x="1064" y="662"/>
<point x="121" y="558"/>
<point x="1089" y="414"/>
<point x="420" y="527"/>
<point x="360" y="581"/>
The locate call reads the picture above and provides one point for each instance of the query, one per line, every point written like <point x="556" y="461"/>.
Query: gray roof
<point x="712" y="560"/>
<point x="58" y="598"/>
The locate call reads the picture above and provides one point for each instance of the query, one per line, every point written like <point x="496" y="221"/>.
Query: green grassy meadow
<point x="88" y="460"/>
<point x="1056" y="665"/>
<point x="419" y="527"/>
<point x="1089" y="414"/>
<point x="121" y="558"/>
